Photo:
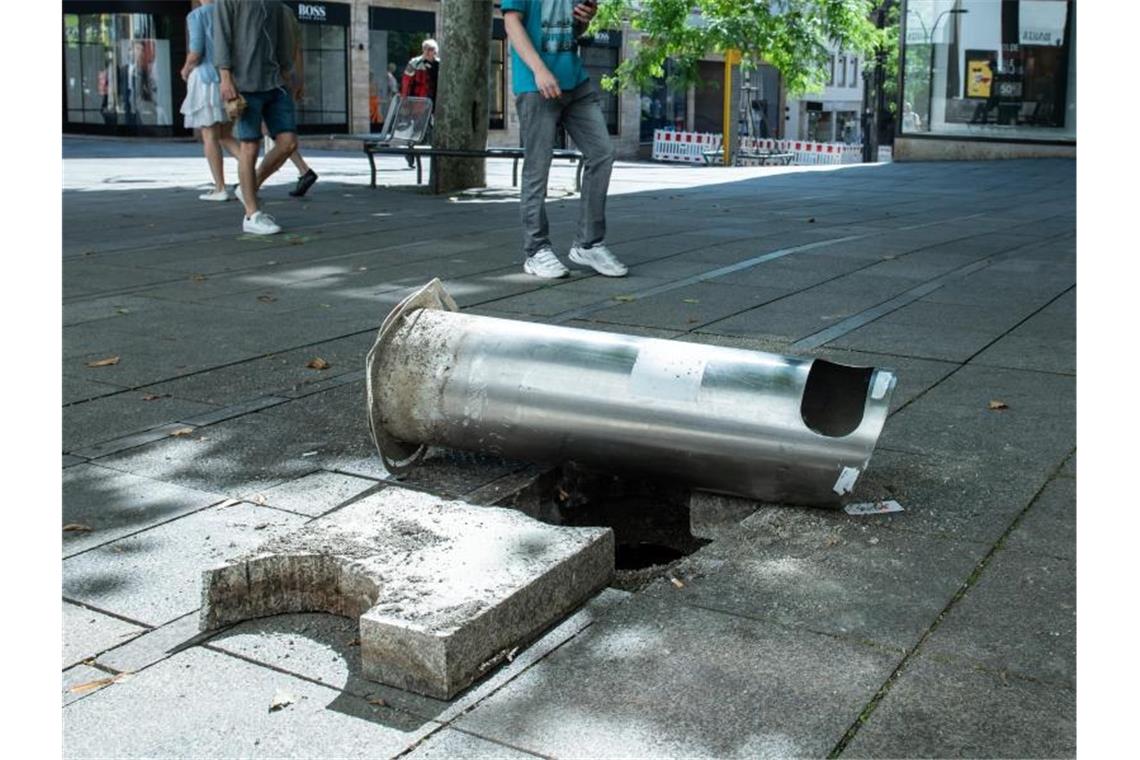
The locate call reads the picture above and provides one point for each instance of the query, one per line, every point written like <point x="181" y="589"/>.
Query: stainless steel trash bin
<point x="748" y="423"/>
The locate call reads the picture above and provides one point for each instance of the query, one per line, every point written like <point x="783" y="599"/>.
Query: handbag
<point x="235" y="107"/>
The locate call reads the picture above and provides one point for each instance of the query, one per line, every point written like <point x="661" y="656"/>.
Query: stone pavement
<point x="945" y="630"/>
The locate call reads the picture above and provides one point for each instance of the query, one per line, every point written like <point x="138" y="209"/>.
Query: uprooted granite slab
<point x="444" y="590"/>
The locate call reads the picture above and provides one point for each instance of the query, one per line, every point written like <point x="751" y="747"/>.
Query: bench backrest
<point x="407" y="120"/>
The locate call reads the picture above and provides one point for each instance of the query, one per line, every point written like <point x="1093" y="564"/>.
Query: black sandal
<point x="304" y="182"/>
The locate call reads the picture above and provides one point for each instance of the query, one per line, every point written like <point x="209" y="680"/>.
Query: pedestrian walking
<point x="552" y="87"/>
<point x="421" y="76"/>
<point x="202" y="109"/>
<point x="254" y="47"/>
<point x="306" y="177"/>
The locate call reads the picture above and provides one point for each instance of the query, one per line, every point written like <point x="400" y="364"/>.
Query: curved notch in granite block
<point x="443" y="589"/>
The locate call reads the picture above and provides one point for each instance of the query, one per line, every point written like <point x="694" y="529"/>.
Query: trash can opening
<point x="835" y="396"/>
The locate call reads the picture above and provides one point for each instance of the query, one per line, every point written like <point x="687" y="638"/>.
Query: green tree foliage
<point x="791" y="35"/>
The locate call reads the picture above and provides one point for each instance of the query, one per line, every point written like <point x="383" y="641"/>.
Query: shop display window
<point x="601" y="57"/>
<point x="117" y="71"/>
<point x="989" y="68"/>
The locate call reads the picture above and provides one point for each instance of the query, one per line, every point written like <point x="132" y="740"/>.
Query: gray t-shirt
<point x="254" y="40"/>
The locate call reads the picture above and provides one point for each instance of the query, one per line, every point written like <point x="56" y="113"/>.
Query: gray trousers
<point x="580" y="112"/>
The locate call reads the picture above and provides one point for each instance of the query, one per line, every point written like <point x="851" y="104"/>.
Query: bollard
<point x="746" y="423"/>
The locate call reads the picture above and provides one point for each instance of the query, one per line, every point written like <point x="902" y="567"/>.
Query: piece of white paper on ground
<point x="873" y="507"/>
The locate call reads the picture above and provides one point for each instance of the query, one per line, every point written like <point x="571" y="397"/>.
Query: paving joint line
<point x="971" y="357"/>
<point x="971" y="580"/>
<point x="134" y="533"/>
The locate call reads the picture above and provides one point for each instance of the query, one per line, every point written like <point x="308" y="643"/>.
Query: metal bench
<point x="404" y="132"/>
<point x="763" y="157"/>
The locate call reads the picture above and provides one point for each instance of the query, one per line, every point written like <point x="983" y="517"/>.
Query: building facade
<point x="122" y="58"/>
<point x="831" y="114"/>
<point x="987" y="79"/>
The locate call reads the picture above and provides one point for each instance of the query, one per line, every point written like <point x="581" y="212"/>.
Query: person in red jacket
<point x="422" y="73"/>
<point x="420" y="77"/>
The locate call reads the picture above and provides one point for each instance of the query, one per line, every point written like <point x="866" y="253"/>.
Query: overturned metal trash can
<point x="748" y="423"/>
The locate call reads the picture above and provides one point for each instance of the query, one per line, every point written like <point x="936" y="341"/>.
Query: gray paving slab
<point x="153" y="646"/>
<point x="103" y="419"/>
<point x="132" y="440"/>
<point x="79" y="388"/>
<point x="326" y="648"/>
<point x="1037" y="427"/>
<point x="971" y="496"/>
<point x="1039" y="353"/>
<point x="280" y="372"/>
<point x="107" y="278"/>
<point x="1050" y="525"/>
<point x="657" y="678"/>
<point x="70" y="460"/>
<point x="552" y="299"/>
<point x="317" y="493"/>
<point x="209" y="704"/>
<point x="1069" y="469"/>
<point x="1020" y="616"/>
<point x="687" y="307"/>
<point x="87" y="633"/>
<point x="929" y="341"/>
<point x="82" y="680"/>
<point x="110" y="307"/>
<point x="112" y="504"/>
<point x="832" y="574"/>
<point x="442" y="589"/>
<point x="450" y="743"/>
<point x="939" y="709"/>
<point x="154" y="576"/>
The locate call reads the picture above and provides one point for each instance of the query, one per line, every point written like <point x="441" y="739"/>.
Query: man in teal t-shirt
<point x="552" y="87"/>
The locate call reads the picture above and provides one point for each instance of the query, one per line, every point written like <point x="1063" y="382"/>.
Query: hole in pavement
<point x="649" y="517"/>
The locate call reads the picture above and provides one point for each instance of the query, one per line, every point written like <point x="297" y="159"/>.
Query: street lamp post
<point x="930" y="89"/>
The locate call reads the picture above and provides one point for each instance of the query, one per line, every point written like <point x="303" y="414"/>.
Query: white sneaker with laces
<point x="260" y="223"/>
<point x="546" y="265"/>
<point x="216" y="195"/>
<point x="600" y="258"/>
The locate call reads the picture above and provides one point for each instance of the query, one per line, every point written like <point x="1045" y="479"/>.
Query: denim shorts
<point x="274" y="107"/>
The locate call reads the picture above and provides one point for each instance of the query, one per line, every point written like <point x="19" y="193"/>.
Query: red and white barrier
<point x="689" y="148"/>
<point x="683" y="147"/>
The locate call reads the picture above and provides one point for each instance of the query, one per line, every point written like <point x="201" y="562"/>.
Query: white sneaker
<point x="546" y="265"/>
<point x="260" y="223"/>
<point x="216" y="195"/>
<point x="600" y="258"/>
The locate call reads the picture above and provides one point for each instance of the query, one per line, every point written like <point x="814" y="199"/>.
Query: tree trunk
<point x="461" y="114"/>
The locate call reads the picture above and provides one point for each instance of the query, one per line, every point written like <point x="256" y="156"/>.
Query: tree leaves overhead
<point x="791" y="35"/>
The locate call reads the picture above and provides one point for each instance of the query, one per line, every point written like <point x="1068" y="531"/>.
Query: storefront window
<point x="117" y="72"/>
<point x="990" y="68"/>
<point x="394" y="38"/>
<point x="601" y="57"/>
<point x="322" y="67"/>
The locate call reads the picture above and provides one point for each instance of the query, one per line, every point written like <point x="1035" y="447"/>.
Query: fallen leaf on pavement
<point x="281" y="700"/>
<point x="676" y="582"/>
<point x="625" y="299"/>
<point x="266" y="298"/>
<point x="181" y="432"/>
<point x="108" y="362"/>
<point x="318" y="363"/>
<point x="692" y="300"/>
<point x="997" y="405"/>
<point x="229" y="503"/>
<point x="198" y="278"/>
<point x="122" y="311"/>
<point x="83" y="688"/>
<point x="511" y="654"/>
<point x="154" y="396"/>
<point x="260" y="500"/>
<point x="77" y="527"/>
<point x="378" y="702"/>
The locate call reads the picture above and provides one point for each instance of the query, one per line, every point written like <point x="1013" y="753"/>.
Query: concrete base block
<point x="444" y="590"/>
